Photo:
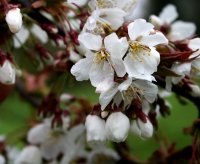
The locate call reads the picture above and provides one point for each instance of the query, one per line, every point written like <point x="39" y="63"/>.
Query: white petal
<point x="21" y="37"/>
<point x="91" y="22"/>
<point x="117" y="127"/>
<point x="135" y="129"/>
<point x="154" y="39"/>
<point x="156" y="21"/>
<point x="104" y="86"/>
<point x="149" y="90"/>
<point x="146" y="106"/>
<point x="107" y="96"/>
<point x="194" y="44"/>
<point x="168" y="14"/>
<point x="196" y="63"/>
<point x="7" y="73"/>
<point x="144" y="63"/>
<point x="38" y="133"/>
<point x="119" y="67"/>
<point x="115" y="46"/>
<point x="81" y="69"/>
<point x="39" y="33"/>
<point x="124" y="86"/>
<point x="52" y="146"/>
<point x="182" y="30"/>
<point x="90" y="41"/>
<point x="117" y="49"/>
<point x="114" y="17"/>
<point x="181" y="69"/>
<point x="139" y="28"/>
<point x="100" y="72"/>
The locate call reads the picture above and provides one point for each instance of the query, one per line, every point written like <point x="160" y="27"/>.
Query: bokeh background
<point x="15" y="113"/>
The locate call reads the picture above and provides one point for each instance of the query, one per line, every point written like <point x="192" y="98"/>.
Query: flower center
<point x="104" y="4"/>
<point x="101" y="55"/>
<point x="131" y="93"/>
<point x="138" y="51"/>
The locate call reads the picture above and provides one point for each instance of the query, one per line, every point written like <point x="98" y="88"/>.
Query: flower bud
<point x="144" y="130"/>
<point x="7" y="73"/>
<point x="117" y="127"/>
<point x="30" y="154"/>
<point x="14" y="20"/>
<point x="95" y="127"/>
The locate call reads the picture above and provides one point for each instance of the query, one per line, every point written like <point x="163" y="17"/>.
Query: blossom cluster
<point x="123" y="58"/>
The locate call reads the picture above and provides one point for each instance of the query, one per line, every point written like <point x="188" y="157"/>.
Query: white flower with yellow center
<point x="127" y="91"/>
<point x="108" y="14"/>
<point x="110" y="18"/>
<point x="102" y="60"/>
<point x="176" y="30"/>
<point x="142" y="59"/>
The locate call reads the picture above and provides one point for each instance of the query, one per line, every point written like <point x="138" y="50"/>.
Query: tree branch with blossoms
<point x="129" y="62"/>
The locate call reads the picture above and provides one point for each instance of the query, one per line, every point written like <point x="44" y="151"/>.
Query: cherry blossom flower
<point x="14" y="20"/>
<point x="53" y="142"/>
<point x="111" y="18"/>
<point x="108" y="13"/>
<point x="175" y="30"/>
<point x="99" y="65"/>
<point x="142" y="58"/>
<point x="127" y="91"/>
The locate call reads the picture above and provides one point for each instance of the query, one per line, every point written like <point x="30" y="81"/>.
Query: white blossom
<point x="29" y="155"/>
<point x="55" y="141"/>
<point x="111" y="18"/>
<point x="142" y="59"/>
<point x="14" y="20"/>
<point x="95" y="128"/>
<point x="98" y="65"/>
<point x="127" y="91"/>
<point x="178" y="30"/>
<point x="52" y="142"/>
<point x="117" y="127"/>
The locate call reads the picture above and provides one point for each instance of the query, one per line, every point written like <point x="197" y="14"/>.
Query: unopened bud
<point x="95" y="127"/>
<point x="14" y="20"/>
<point x="117" y="127"/>
<point x="144" y="130"/>
<point x="30" y="154"/>
<point x="7" y="73"/>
